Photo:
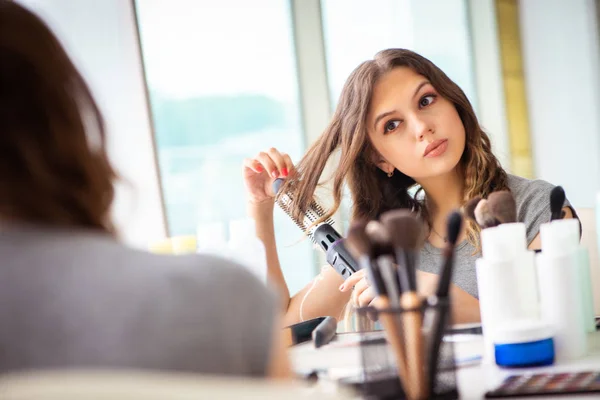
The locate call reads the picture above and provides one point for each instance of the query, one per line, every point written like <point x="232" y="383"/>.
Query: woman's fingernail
<point x="342" y="287"/>
<point x="284" y="172"/>
<point x="259" y="168"/>
<point x="274" y="174"/>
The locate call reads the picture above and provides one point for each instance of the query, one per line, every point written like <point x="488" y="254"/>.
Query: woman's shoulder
<point x="523" y="188"/>
<point x="532" y="198"/>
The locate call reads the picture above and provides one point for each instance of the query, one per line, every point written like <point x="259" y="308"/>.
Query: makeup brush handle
<point x="437" y="319"/>
<point x="445" y="279"/>
<point x="393" y="335"/>
<point x="412" y="323"/>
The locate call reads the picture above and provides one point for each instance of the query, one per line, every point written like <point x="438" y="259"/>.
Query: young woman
<point x="72" y="296"/>
<point x="400" y="122"/>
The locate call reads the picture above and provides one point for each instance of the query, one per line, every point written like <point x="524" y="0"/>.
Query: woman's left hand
<point x="363" y="293"/>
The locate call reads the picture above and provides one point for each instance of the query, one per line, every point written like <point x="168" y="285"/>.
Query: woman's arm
<point x="536" y="243"/>
<point x="279" y="364"/>
<point x="324" y="298"/>
<point x="265" y="231"/>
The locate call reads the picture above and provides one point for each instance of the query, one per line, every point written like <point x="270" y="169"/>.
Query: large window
<point x="355" y="30"/>
<point x="223" y="86"/>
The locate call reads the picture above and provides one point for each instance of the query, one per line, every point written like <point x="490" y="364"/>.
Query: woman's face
<point x="412" y="127"/>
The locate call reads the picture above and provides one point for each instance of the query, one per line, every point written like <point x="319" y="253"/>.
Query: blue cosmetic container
<point x="526" y="343"/>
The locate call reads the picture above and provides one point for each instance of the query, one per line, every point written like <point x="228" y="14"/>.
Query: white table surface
<point x="342" y="358"/>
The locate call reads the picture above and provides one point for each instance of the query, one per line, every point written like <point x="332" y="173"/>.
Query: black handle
<point x="336" y="253"/>
<point x="341" y="260"/>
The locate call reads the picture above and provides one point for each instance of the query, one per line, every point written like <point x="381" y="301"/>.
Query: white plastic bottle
<point x="247" y="249"/>
<point x="506" y="277"/>
<point x="560" y="277"/>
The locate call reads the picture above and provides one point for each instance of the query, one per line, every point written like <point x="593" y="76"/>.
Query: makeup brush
<point x="484" y="216"/>
<point x="470" y="208"/>
<point x="384" y="257"/>
<point x="357" y="241"/>
<point x="502" y="206"/>
<point x="380" y="237"/>
<point x="361" y="245"/>
<point x="557" y="200"/>
<point x="406" y="231"/>
<point x="362" y="249"/>
<point x="436" y="316"/>
<point x="454" y="225"/>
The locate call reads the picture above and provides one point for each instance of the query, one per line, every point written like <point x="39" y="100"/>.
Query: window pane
<point x="436" y="29"/>
<point x="223" y="86"/>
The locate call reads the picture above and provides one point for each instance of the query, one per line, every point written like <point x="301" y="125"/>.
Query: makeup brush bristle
<point x="358" y="242"/>
<point x="470" y="208"/>
<point x="502" y="206"/>
<point x="455" y="220"/>
<point x="380" y="238"/>
<point x="405" y="228"/>
<point x="557" y="200"/>
<point x="484" y="216"/>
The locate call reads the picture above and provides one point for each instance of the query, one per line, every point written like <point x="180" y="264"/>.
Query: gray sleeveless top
<point x="533" y="208"/>
<point x="73" y="299"/>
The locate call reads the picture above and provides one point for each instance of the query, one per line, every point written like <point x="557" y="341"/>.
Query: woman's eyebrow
<point x="382" y="116"/>
<point x="419" y="87"/>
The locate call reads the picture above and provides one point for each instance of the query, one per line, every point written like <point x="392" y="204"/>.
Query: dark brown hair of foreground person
<point x="54" y="169"/>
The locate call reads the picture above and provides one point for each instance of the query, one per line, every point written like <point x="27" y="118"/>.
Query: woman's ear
<point x="385" y="166"/>
<point x="380" y="162"/>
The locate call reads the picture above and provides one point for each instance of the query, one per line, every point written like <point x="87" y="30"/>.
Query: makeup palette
<point x="548" y="384"/>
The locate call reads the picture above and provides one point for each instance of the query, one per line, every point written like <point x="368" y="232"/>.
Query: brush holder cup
<point x="383" y="376"/>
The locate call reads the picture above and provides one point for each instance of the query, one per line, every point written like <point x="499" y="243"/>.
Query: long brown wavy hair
<point x="373" y="192"/>
<point x="54" y="169"/>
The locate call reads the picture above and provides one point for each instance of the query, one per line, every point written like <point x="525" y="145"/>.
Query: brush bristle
<point x="307" y="223"/>
<point x="557" y="200"/>
<point x="405" y="228"/>
<point x="484" y="216"/>
<point x="358" y="242"/>
<point x="380" y="238"/>
<point x="470" y="208"/>
<point x="502" y="206"/>
<point x="454" y="223"/>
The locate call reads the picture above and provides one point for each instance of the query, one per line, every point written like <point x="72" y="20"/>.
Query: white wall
<point x="101" y="37"/>
<point x="562" y="69"/>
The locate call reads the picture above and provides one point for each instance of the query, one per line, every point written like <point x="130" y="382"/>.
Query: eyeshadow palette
<point x="548" y="384"/>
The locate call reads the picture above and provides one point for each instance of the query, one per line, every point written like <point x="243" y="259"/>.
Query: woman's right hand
<point x="362" y="292"/>
<point x="260" y="172"/>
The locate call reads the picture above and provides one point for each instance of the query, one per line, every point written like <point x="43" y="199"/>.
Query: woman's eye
<point x="426" y="100"/>
<point x="391" y="126"/>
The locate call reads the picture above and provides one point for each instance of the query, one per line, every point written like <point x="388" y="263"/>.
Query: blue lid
<point x="527" y="354"/>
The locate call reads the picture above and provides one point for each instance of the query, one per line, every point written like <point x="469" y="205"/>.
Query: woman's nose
<point x="422" y="128"/>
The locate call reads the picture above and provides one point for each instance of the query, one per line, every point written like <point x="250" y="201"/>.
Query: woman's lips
<point x="436" y="148"/>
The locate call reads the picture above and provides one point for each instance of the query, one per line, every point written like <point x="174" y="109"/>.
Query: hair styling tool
<point x="323" y="233"/>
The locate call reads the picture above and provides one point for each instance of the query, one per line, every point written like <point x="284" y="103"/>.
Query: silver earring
<point x="389" y="174"/>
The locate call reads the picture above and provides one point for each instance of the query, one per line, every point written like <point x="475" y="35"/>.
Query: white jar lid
<point x="522" y="331"/>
